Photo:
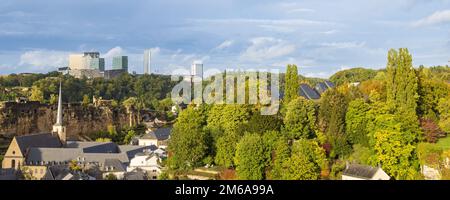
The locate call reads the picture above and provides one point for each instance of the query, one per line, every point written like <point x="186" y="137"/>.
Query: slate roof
<point x="107" y="147"/>
<point x="308" y="93"/>
<point x="114" y="165"/>
<point x="132" y="150"/>
<point x="159" y="134"/>
<point x="135" y="175"/>
<point x="321" y="87"/>
<point x="361" y="171"/>
<point x="37" y="140"/>
<point x="68" y="154"/>
<point x="52" y="155"/>
<point x="330" y="84"/>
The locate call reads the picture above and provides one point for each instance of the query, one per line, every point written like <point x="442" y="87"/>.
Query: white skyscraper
<point x="197" y="69"/>
<point x="147" y="61"/>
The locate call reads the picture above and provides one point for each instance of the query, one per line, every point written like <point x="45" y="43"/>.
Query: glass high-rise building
<point x="120" y="62"/>
<point x="97" y="64"/>
<point x="197" y="69"/>
<point x="147" y="57"/>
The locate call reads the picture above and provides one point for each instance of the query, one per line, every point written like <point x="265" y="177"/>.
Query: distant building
<point x="88" y="64"/>
<point x="308" y="92"/>
<point x="197" y="70"/>
<point x="110" y="74"/>
<point x="120" y="63"/>
<point x="148" y="163"/>
<point x="364" y="172"/>
<point x="97" y="64"/>
<point x="159" y="138"/>
<point x="311" y="93"/>
<point x="147" y="61"/>
<point x="324" y="86"/>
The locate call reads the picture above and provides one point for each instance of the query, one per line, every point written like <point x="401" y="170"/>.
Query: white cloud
<point x="225" y="44"/>
<point x="438" y="17"/>
<point x="155" y="51"/>
<point x="301" y="63"/>
<point x="263" y="48"/>
<point x="344" y="45"/>
<point x="280" y="22"/>
<point x="330" y="32"/>
<point x="318" y="74"/>
<point x="296" y="10"/>
<point x="116" y="51"/>
<point x="44" y="59"/>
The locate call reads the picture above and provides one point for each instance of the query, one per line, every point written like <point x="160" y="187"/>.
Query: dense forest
<point x="396" y="118"/>
<point x="149" y="91"/>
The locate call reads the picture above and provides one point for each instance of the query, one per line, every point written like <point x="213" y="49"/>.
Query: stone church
<point x="36" y="153"/>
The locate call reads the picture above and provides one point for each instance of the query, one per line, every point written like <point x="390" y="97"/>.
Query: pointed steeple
<point x="59" y="129"/>
<point x="59" y="118"/>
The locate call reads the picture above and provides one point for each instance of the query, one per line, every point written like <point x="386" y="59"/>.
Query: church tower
<point x="58" y="128"/>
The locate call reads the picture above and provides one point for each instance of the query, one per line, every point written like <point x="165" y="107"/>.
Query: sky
<point x="321" y="37"/>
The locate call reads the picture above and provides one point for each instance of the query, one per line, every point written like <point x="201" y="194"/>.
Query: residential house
<point x="364" y="172"/>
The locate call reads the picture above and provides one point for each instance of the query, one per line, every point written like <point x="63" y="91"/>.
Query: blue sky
<point x="320" y="36"/>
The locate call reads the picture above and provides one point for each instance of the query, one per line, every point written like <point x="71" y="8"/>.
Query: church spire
<point x="59" y="129"/>
<point x="59" y="118"/>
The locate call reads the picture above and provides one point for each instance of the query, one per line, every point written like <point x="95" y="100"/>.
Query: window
<point x="154" y="177"/>
<point x="154" y="170"/>
<point x="13" y="163"/>
<point x="14" y="152"/>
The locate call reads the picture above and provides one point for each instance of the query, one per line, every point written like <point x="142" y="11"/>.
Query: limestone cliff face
<point x="33" y="117"/>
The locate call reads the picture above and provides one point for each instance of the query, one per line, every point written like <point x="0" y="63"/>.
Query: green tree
<point x="130" y="104"/>
<point x="37" y="94"/>
<point x="86" y="100"/>
<point x="361" y="154"/>
<point x="226" y="149"/>
<point x="300" y="119"/>
<point x="250" y="158"/>
<point x="188" y="139"/>
<point x="228" y="117"/>
<point x="130" y="135"/>
<point x="430" y="92"/>
<point x="53" y="99"/>
<point x="356" y="122"/>
<point x="402" y="85"/>
<point x="103" y="140"/>
<point x="332" y="113"/>
<point x="261" y="123"/>
<point x="280" y="154"/>
<point x="353" y="75"/>
<point x="444" y="112"/>
<point x="110" y="177"/>
<point x="291" y="83"/>
<point x="74" y="166"/>
<point x="394" y="147"/>
<point x="306" y="161"/>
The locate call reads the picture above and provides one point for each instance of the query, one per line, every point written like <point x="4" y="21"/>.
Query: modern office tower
<point x="120" y="62"/>
<point x="76" y="61"/>
<point x="147" y="61"/>
<point x="87" y="60"/>
<point x="92" y="54"/>
<point x="97" y="64"/>
<point x="197" y="69"/>
<point x="87" y="64"/>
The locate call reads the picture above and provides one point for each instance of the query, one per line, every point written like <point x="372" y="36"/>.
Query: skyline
<point x="321" y="37"/>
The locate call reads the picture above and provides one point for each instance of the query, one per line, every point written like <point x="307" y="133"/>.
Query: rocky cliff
<point x="34" y="117"/>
